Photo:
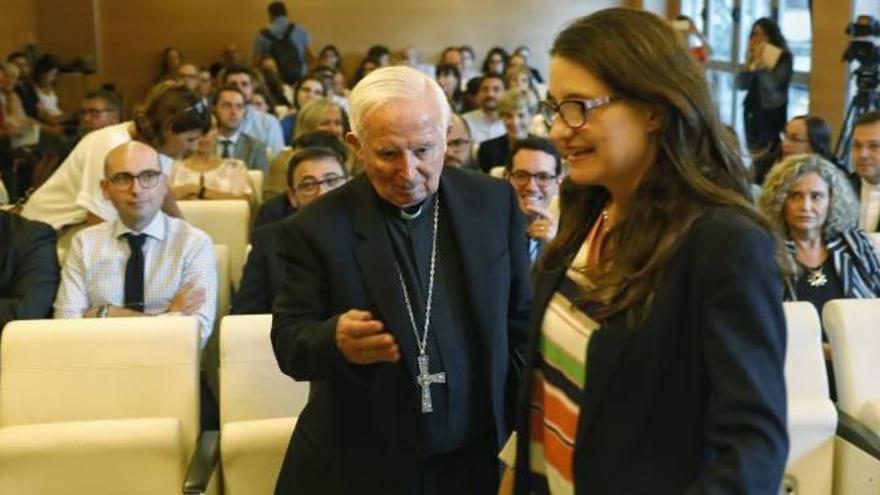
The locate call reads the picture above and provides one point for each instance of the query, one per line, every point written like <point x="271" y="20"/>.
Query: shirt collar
<point x="870" y="187"/>
<point x="233" y="138"/>
<point x="155" y="229"/>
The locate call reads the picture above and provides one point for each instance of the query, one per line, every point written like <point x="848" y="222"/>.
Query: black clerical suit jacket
<point x="29" y="271"/>
<point x="691" y="400"/>
<point x="359" y="433"/>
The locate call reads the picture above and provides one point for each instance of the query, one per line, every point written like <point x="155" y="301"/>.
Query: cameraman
<point x="766" y="76"/>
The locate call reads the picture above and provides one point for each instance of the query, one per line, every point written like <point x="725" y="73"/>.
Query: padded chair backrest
<point x="94" y="369"/>
<point x="805" y="375"/>
<point x="256" y="179"/>
<point x="227" y="222"/>
<point x="251" y="385"/>
<point x="853" y="328"/>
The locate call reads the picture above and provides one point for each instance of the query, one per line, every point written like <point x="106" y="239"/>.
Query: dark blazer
<point x="692" y="399"/>
<point x="360" y="431"/>
<point x="261" y="279"/>
<point x="274" y="210"/>
<point x="251" y="151"/>
<point x="493" y="153"/>
<point x="29" y="272"/>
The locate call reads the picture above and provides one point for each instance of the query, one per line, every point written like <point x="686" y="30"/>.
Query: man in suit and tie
<point x="28" y="269"/>
<point x="229" y="109"/>
<point x="406" y="292"/>
<point x="535" y="172"/>
<point x="866" y="160"/>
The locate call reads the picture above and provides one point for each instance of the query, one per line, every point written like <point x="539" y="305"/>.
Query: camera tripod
<point x="865" y="100"/>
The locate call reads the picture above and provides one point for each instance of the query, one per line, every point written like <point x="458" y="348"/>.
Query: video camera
<point x="863" y="47"/>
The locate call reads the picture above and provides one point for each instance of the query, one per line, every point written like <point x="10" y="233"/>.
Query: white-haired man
<point x="399" y="406"/>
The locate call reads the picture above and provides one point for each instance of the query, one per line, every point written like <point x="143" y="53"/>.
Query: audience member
<point x="366" y="66"/>
<point x="330" y="57"/>
<point x="664" y="271"/>
<point x="24" y="88"/>
<point x="472" y="95"/>
<point x="171" y="60"/>
<point x="458" y="144"/>
<point x="275" y="187"/>
<point x="98" y="109"/>
<point x="765" y="77"/>
<point x="279" y="91"/>
<point x="261" y="101"/>
<point x="28" y="269"/>
<point x="449" y="79"/>
<point x="44" y="79"/>
<point x="381" y="54"/>
<point x="468" y="64"/>
<point x="485" y="123"/>
<point x="525" y="54"/>
<point x="307" y="89"/>
<point x="516" y="114"/>
<point x="259" y="125"/>
<point x="205" y="87"/>
<point x="322" y="115"/>
<point x="231" y="55"/>
<point x="802" y="134"/>
<point x="495" y="61"/>
<point x="811" y="205"/>
<point x="172" y="119"/>
<point x="281" y="30"/>
<point x="535" y="172"/>
<point x="312" y="173"/>
<point x="188" y="75"/>
<point x="143" y="262"/>
<point x="866" y="160"/>
<point x="206" y="175"/>
<point x="229" y="109"/>
<point x="451" y="55"/>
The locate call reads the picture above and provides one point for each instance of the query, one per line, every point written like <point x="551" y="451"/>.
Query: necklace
<point x="816" y="277"/>
<point x="425" y="378"/>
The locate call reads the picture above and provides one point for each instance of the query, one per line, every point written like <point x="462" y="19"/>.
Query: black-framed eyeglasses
<point x="147" y="179"/>
<point x="94" y="111"/>
<point x="573" y="112"/>
<point x="521" y="178"/>
<point x="310" y="187"/>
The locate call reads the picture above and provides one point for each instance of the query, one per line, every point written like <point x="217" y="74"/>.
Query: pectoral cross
<point x="425" y="379"/>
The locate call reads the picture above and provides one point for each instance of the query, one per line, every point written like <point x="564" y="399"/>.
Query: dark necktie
<point x="227" y="148"/>
<point x="134" y="272"/>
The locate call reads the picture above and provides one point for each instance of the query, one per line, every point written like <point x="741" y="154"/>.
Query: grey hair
<point x="843" y="207"/>
<point x="513" y="99"/>
<point x="394" y="83"/>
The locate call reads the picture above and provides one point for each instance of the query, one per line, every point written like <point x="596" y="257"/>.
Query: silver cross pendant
<point x="425" y="379"/>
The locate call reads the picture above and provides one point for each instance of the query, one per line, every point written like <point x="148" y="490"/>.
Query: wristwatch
<point x="102" y="311"/>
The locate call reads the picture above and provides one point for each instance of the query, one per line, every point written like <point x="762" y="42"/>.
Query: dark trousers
<point x="474" y="469"/>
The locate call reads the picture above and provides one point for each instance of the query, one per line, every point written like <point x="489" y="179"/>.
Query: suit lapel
<point x="374" y="256"/>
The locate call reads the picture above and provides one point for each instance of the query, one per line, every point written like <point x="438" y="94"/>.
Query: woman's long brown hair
<point x="636" y="54"/>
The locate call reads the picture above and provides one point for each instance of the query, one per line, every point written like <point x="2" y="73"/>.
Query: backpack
<point x="286" y="54"/>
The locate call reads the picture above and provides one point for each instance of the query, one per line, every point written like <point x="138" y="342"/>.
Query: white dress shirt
<point x="175" y="253"/>
<point x="483" y="129"/>
<point x="75" y="187"/>
<point x="870" y="207"/>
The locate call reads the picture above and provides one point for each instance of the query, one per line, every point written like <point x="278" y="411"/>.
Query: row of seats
<point x="833" y="450"/>
<point x="112" y="406"/>
<point x="101" y="406"/>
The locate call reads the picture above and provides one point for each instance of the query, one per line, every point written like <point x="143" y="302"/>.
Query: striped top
<point x="558" y="381"/>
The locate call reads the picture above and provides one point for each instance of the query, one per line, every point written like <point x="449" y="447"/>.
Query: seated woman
<point x="322" y="114"/>
<point x="515" y="110"/>
<point x="802" y="134"/>
<point x="204" y="175"/>
<point x="307" y="89"/>
<point x="449" y="78"/>
<point x="44" y="78"/>
<point x="810" y="203"/>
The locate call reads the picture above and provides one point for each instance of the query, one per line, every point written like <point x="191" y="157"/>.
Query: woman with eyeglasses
<point x="657" y="337"/>
<point x="802" y="134"/>
<point x="204" y="174"/>
<point x="172" y="120"/>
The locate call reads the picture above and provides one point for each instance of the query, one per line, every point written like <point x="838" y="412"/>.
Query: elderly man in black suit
<point x="405" y="297"/>
<point x="29" y="271"/>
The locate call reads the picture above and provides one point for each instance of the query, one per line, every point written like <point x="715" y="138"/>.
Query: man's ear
<point x="105" y="184"/>
<point x="352" y="139"/>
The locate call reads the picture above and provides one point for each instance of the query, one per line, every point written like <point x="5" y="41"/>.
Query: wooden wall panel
<point x="829" y="77"/>
<point x="18" y="25"/>
<point x="133" y="36"/>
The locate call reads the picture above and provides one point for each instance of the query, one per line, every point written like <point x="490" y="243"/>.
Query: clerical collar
<point x="409" y="213"/>
<point x="412" y="212"/>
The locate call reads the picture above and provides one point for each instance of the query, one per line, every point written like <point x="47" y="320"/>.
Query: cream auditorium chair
<point x="256" y="179"/>
<point x="100" y="406"/>
<point x="853" y="328"/>
<point x="812" y="418"/>
<point x="258" y="406"/>
<point x="227" y="222"/>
